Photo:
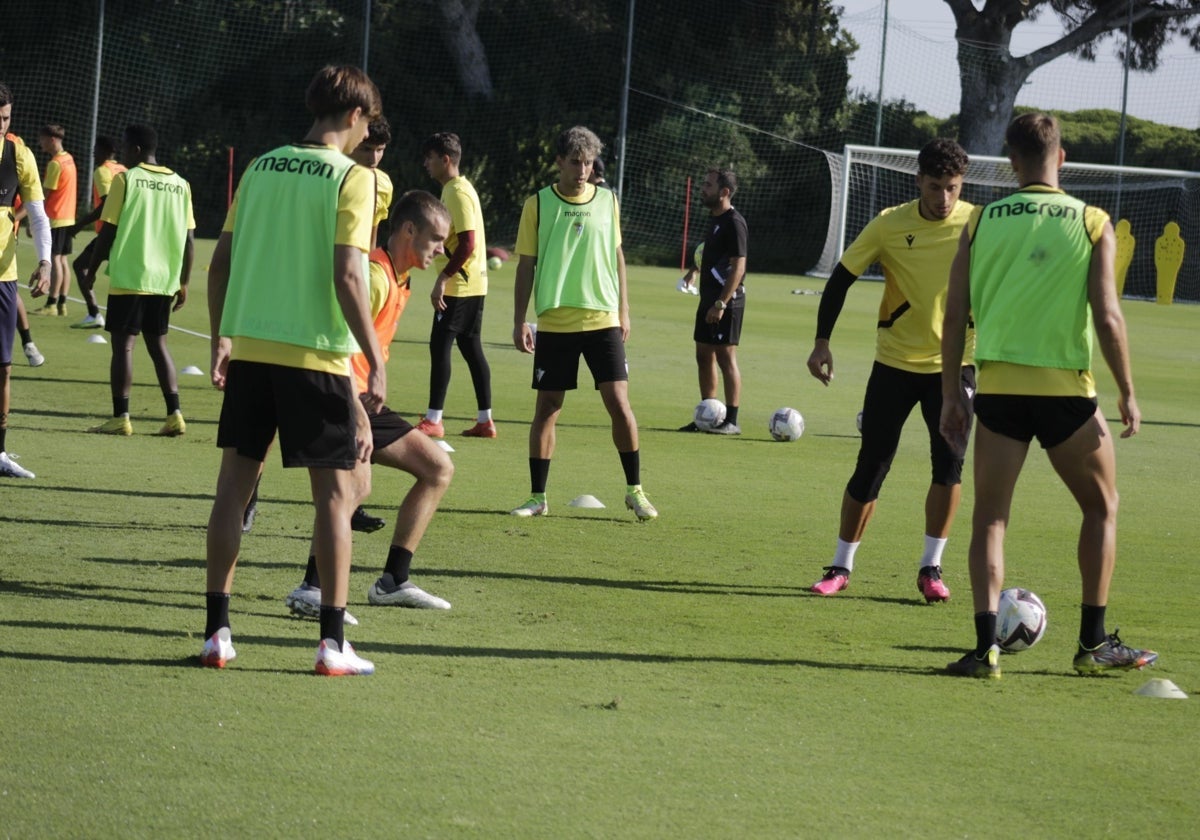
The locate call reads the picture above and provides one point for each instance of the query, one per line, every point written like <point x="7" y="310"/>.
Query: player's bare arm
<point x="522" y="289"/>
<point x="185" y="271"/>
<point x="1110" y="327"/>
<point x="350" y="286"/>
<point x="955" y="424"/>
<point x="737" y="272"/>
<point x="623" y="285"/>
<point x="218" y="283"/>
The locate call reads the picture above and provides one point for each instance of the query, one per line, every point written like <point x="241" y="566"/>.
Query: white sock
<point x="934" y="546"/>
<point x="484" y="415"/>
<point x="844" y="556"/>
<point x="434" y="415"/>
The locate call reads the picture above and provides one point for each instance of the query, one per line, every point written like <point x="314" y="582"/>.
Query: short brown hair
<point x="53" y="130"/>
<point x="338" y="88"/>
<point x="419" y="207"/>
<point x="1033" y="137"/>
<point x="578" y="139"/>
<point x="941" y="158"/>
<point x="444" y="144"/>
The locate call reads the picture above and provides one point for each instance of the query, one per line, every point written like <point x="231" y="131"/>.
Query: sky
<point x="921" y="66"/>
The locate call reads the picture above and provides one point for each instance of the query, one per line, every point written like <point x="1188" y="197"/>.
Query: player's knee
<point x="865" y="484"/>
<point x="947" y="470"/>
<point x="443" y="471"/>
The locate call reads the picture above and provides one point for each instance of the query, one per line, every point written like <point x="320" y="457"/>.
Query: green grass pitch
<point x="597" y="677"/>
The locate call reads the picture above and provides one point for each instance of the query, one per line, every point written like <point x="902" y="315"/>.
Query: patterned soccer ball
<point x="786" y="424"/>
<point x="1021" y="620"/>
<point x="709" y="414"/>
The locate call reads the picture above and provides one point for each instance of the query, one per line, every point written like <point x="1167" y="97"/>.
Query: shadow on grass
<point x="89" y="418"/>
<point x="105" y="526"/>
<point x="672" y="586"/>
<point x="564" y="511"/>
<point x="457" y="652"/>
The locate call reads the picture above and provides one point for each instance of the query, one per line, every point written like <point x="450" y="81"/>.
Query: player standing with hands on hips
<point x="1035" y="270"/>
<point x="915" y="243"/>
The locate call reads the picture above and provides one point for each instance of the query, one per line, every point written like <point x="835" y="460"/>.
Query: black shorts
<point x="62" y="239"/>
<point x="556" y="358"/>
<point x="1050" y="419"/>
<point x="727" y="331"/>
<point x="8" y="320"/>
<point x="135" y="314"/>
<point x="891" y="396"/>
<point x="312" y="411"/>
<point x="387" y="427"/>
<point x="462" y="316"/>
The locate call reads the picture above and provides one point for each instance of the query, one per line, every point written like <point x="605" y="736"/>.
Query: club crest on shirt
<point x="909" y="238"/>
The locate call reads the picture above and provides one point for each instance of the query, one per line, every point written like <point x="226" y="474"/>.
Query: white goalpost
<point x="867" y="179"/>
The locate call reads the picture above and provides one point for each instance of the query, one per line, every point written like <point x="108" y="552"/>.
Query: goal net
<point x="867" y="179"/>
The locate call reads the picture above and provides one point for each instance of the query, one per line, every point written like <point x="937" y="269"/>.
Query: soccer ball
<point x="709" y="414"/>
<point x="1021" y="620"/>
<point x="494" y="263"/>
<point x="786" y="424"/>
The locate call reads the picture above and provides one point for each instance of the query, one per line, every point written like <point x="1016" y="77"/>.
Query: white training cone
<point x="586" y="501"/>
<point x="1158" y="687"/>
<point x="96" y="338"/>
<point x="444" y="445"/>
<point x="192" y="370"/>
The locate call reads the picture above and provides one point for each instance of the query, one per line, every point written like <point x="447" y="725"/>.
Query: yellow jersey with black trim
<point x="565" y="319"/>
<point x="18" y="176"/>
<point x="915" y="254"/>
<point x="462" y="201"/>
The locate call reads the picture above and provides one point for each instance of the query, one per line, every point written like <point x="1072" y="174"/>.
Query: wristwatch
<point x="720" y="304"/>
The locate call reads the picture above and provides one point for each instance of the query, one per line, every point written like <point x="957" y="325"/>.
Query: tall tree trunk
<point x="991" y="80"/>
<point x="990" y="77"/>
<point x="466" y="48"/>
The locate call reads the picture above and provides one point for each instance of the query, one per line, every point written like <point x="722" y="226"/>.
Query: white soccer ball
<point x="1021" y="620"/>
<point x="709" y="414"/>
<point x="786" y="424"/>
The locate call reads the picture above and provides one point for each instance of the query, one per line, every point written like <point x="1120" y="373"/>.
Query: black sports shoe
<point x="970" y="665"/>
<point x="1112" y="654"/>
<point x="360" y="520"/>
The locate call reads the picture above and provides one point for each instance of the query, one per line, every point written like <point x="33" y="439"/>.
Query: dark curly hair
<point x="942" y="158"/>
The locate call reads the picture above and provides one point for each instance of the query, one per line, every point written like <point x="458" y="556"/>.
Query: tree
<point x="462" y="40"/>
<point x="992" y="76"/>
